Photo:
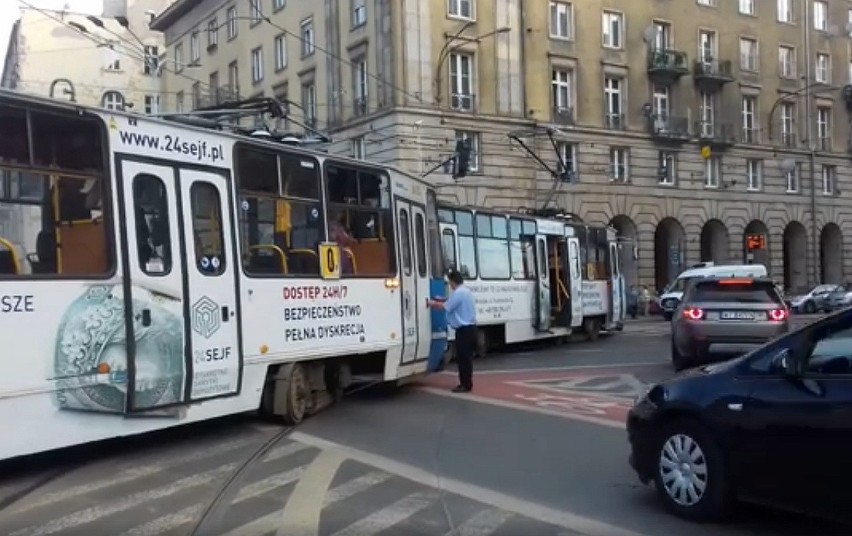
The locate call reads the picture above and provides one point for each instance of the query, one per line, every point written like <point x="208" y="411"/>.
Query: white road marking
<point x="483" y="523"/>
<point x="128" y="475"/>
<point x="301" y="513"/>
<point x="525" y="407"/>
<point x="269" y="483"/>
<point x="94" y="513"/>
<point x="283" y="451"/>
<point x="389" y="516"/>
<point x="563" y="519"/>
<point x="268" y="523"/>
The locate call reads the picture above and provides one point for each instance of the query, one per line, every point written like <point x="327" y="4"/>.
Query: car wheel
<point x="678" y="360"/>
<point x="690" y="474"/>
<point x="810" y="308"/>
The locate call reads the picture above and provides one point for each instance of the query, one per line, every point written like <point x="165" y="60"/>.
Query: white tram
<point x="152" y="269"/>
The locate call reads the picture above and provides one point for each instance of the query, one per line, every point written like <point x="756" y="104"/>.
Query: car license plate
<point x="737" y="315"/>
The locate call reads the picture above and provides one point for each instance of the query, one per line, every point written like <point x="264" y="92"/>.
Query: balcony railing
<point x="359" y="106"/>
<point x="215" y="96"/>
<point x="824" y="143"/>
<point x="750" y="135"/>
<point x="789" y="139"/>
<point x="712" y="74"/>
<point x="665" y="126"/>
<point x="614" y="121"/>
<point x="562" y="115"/>
<point x="667" y="63"/>
<point x="462" y="102"/>
<point x="715" y="132"/>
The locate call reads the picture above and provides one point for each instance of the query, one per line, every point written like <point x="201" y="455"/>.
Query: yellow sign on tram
<point x="329" y="256"/>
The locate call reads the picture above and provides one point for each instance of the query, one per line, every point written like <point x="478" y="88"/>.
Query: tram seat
<point x="8" y="258"/>
<point x="267" y="259"/>
<point x="351" y="255"/>
<point x="303" y="261"/>
<point x="371" y="256"/>
<point x="43" y="261"/>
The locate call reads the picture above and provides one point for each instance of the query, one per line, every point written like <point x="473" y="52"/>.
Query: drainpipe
<point x="812" y="273"/>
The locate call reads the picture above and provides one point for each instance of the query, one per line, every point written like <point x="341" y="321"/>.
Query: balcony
<point x="789" y="140"/>
<point x="462" y="102"/>
<point x="562" y="115"/>
<point x="614" y="121"/>
<point x="215" y="96"/>
<point x="710" y="75"/>
<point x="359" y="106"/>
<point x="718" y="135"/>
<point x="668" y="128"/>
<point x="750" y="135"/>
<point x="665" y="65"/>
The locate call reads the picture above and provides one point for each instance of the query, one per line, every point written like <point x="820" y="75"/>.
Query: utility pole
<point x="806" y="30"/>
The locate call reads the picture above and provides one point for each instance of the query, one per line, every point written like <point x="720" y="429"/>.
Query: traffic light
<point x="462" y="159"/>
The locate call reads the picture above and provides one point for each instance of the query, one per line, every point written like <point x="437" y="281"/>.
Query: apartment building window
<point x="196" y="95"/>
<point x="307" y="35"/>
<point x="663" y="36"/>
<point x="614" y="102"/>
<point x="231" y="21"/>
<point x="461" y="81"/>
<point x="567" y="165"/>
<point x="824" y="128"/>
<point x="785" y="11"/>
<point x="850" y="68"/>
<point x="112" y="60"/>
<point x="828" y="173"/>
<point x="359" y="12"/>
<point x="309" y="103"/>
<point x="710" y="3"/>
<point x="749" y="59"/>
<point x="754" y="174"/>
<point x="823" y="68"/>
<point x="179" y="98"/>
<point x="707" y="114"/>
<point x="788" y="124"/>
<point x="280" y="52"/>
<point x="255" y="14"/>
<point x="233" y="79"/>
<point x="613" y="27"/>
<point x="749" y="115"/>
<point x="792" y="178"/>
<point x="212" y="33"/>
<point x="214" y="87"/>
<point x="561" y="89"/>
<point x="194" y="47"/>
<point x="712" y="171"/>
<point x="359" y="148"/>
<point x="660" y="102"/>
<point x="747" y="7"/>
<point x="787" y="62"/>
<point x="257" y="65"/>
<point x="474" y="139"/>
<point x="667" y="168"/>
<point x="152" y="104"/>
<point x="619" y="158"/>
<point x="278" y="5"/>
<point x="561" y="20"/>
<point x="179" y="57"/>
<point x="360" y="83"/>
<point x="821" y="16"/>
<point x="113" y="100"/>
<point x="462" y="9"/>
<point x="152" y="60"/>
<point x="707" y="45"/>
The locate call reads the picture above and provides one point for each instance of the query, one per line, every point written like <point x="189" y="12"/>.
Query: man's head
<point x="455" y="279"/>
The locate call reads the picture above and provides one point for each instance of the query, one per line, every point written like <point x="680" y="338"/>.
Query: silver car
<point x="726" y="314"/>
<point x="813" y="301"/>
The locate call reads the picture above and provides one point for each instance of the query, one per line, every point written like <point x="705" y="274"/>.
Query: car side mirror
<point x="785" y="362"/>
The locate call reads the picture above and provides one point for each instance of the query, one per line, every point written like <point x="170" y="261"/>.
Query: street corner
<point x="601" y="395"/>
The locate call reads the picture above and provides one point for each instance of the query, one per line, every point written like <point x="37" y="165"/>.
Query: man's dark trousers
<point x="465" y="347"/>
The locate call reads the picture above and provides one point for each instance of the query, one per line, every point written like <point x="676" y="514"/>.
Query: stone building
<point x="689" y="125"/>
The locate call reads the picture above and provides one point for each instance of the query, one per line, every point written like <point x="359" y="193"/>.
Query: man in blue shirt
<point x="461" y="316"/>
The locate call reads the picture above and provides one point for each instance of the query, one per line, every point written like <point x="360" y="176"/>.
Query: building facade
<point x="701" y="129"/>
<point x="109" y="61"/>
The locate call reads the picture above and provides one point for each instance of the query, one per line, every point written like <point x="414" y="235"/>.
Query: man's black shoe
<point x="461" y="389"/>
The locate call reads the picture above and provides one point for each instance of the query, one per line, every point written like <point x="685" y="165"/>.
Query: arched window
<point x="113" y="100"/>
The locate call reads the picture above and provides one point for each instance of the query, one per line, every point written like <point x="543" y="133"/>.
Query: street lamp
<point x="446" y="50"/>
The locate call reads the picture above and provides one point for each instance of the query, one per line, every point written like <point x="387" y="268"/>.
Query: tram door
<point x="541" y="317"/>
<point x="575" y="278"/>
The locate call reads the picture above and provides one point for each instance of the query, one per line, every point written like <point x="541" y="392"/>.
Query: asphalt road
<point x="538" y="449"/>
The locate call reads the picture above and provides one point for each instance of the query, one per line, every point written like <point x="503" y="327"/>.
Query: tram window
<point x="464" y="220"/>
<point x="436" y="267"/>
<point x="405" y="241"/>
<point x="207" y="228"/>
<point x="14" y="141"/>
<point x="448" y="244"/>
<point x="257" y="171"/>
<point x="66" y="142"/>
<point x="361" y="220"/>
<point x="153" y="244"/>
<point x="420" y="239"/>
<point x="492" y="246"/>
<point x="446" y="216"/>
<point x="280" y="227"/>
<point x="542" y="260"/>
<point x="521" y="249"/>
<point x="467" y="244"/>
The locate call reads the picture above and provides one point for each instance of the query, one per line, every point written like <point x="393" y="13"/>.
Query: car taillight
<point x="693" y="313"/>
<point x="778" y="314"/>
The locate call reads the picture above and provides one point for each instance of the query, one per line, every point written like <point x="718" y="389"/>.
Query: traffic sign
<point x="329" y="254"/>
<point x="706" y="152"/>
<point x="755" y="241"/>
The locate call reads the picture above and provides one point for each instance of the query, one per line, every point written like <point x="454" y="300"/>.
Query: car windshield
<point x="746" y="292"/>
<point x="680" y="284"/>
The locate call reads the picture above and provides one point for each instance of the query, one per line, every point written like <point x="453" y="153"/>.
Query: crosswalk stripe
<point x="284" y="451"/>
<point x="128" y="475"/>
<point x="389" y="516"/>
<point x="483" y="523"/>
<point x="269" y="523"/>
<point x="93" y="513"/>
